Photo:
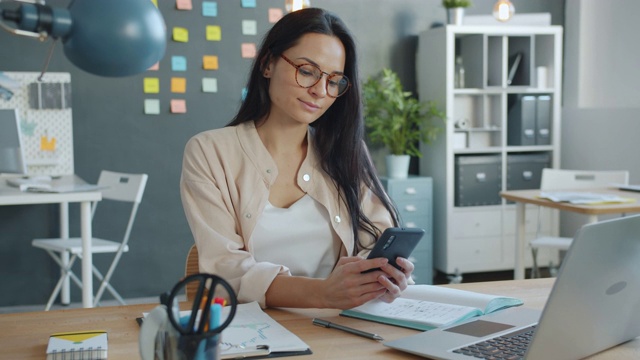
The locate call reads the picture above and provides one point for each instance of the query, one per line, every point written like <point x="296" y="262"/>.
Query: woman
<point x="284" y="202"/>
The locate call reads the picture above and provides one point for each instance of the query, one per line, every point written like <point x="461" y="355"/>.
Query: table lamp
<point x="111" y="38"/>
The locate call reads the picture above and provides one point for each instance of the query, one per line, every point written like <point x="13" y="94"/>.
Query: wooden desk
<point x="523" y="197"/>
<point x="24" y="336"/>
<point x="13" y="196"/>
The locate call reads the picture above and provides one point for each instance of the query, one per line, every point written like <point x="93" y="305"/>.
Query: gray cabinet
<point x="414" y="198"/>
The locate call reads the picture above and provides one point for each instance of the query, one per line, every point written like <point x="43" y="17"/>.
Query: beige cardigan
<point x="226" y="175"/>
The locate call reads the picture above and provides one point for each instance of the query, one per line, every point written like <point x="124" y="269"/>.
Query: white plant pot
<point x="455" y="15"/>
<point x="398" y="166"/>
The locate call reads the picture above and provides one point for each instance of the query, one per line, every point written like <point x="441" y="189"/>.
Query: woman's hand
<point x="394" y="280"/>
<point x="347" y="286"/>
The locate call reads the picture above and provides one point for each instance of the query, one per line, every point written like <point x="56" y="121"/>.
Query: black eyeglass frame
<point x="329" y="76"/>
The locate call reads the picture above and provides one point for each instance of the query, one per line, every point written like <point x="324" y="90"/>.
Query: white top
<point x="299" y="237"/>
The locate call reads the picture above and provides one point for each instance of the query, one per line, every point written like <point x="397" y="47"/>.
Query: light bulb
<point x="503" y="10"/>
<point x="295" y="5"/>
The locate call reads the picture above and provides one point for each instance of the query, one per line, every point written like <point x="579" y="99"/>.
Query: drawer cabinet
<point x="414" y="198"/>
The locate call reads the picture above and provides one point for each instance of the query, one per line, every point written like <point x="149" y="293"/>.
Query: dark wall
<point x="112" y="132"/>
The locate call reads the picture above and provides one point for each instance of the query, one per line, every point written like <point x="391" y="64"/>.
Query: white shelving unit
<point x="478" y="235"/>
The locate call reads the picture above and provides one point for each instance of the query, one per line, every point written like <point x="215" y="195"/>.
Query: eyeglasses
<point x="308" y="75"/>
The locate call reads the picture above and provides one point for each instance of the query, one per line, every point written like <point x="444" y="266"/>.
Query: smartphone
<point x="394" y="242"/>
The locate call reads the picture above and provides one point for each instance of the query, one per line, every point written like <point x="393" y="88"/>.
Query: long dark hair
<point x="339" y="132"/>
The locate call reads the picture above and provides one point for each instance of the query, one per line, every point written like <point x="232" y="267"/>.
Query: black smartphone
<point x="394" y="242"/>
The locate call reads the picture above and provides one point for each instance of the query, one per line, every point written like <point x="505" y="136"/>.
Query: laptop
<point x="594" y="305"/>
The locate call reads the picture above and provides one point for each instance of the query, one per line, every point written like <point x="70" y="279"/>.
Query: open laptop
<point x="594" y="305"/>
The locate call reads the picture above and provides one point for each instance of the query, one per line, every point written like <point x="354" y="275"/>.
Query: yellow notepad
<point x="91" y="344"/>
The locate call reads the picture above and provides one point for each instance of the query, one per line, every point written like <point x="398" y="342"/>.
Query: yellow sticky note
<point x="183" y="4"/>
<point x="155" y="2"/>
<point x="214" y="33"/>
<point x="178" y="106"/>
<point x="210" y="62"/>
<point x="151" y="85"/>
<point x="248" y="50"/>
<point x="178" y="85"/>
<point x="180" y="34"/>
<point x="47" y="144"/>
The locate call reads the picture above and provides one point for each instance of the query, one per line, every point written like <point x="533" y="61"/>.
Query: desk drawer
<point x="472" y="224"/>
<point x="408" y="189"/>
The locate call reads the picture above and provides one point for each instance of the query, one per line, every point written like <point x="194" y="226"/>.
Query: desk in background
<point x="24" y="336"/>
<point x="523" y="197"/>
<point x="13" y="196"/>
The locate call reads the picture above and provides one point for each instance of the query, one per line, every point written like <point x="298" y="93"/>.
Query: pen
<point x="327" y="324"/>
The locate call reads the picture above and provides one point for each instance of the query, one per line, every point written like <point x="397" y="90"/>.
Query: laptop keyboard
<point x="511" y="346"/>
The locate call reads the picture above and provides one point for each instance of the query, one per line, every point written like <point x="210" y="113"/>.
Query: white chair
<point x="560" y="179"/>
<point x="119" y="187"/>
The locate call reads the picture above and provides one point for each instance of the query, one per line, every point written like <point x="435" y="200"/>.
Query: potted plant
<point x="455" y="10"/>
<point x="396" y="119"/>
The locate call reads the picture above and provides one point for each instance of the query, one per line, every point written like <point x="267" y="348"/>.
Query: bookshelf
<point x="492" y="141"/>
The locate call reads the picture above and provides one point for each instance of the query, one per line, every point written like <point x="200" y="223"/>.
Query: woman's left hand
<point x="395" y="280"/>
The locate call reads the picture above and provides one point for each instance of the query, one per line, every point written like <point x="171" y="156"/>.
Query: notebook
<point x="594" y="304"/>
<point x="90" y="344"/>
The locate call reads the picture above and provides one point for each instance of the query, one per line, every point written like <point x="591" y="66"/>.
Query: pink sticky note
<point x="155" y="66"/>
<point x="178" y="106"/>
<point x="274" y="15"/>
<point x="183" y="5"/>
<point x="248" y="50"/>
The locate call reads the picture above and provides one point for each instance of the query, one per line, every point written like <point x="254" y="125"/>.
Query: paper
<point x="249" y="27"/>
<point x="251" y="326"/>
<point x="152" y="106"/>
<point x="180" y="34"/>
<point x="209" y="8"/>
<point x="213" y="33"/>
<point x="584" y="198"/>
<point x="47" y="143"/>
<point x="275" y="14"/>
<point x="151" y="85"/>
<point x="183" y="4"/>
<point x="178" y="63"/>
<point x="248" y="50"/>
<point x="178" y="85"/>
<point x="178" y="106"/>
<point x="210" y="62"/>
<point x="209" y="85"/>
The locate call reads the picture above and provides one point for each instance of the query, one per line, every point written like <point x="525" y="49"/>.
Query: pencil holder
<point x="175" y="346"/>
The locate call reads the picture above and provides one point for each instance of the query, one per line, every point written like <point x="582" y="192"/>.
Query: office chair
<point x="119" y="187"/>
<point x="560" y="179"/>
<point x="192" y="266"/>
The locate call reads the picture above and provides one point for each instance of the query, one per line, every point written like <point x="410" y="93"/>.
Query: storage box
<point x="524" y="171"/>
<point x="478" y="180"/>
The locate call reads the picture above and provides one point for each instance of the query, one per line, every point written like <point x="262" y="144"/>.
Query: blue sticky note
<point x="248" y="3"/>
<point x="209" y="8"/>
<point x="178" y="63"/>
<point x="244" y="93"/>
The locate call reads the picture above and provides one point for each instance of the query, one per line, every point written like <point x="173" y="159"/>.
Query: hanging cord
<point x="46" y="63"/>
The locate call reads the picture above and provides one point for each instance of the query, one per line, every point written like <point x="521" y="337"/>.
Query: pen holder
<point x="175" y="346"/>
<point x="159" y="340"/>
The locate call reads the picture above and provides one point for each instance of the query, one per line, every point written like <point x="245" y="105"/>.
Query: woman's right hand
<point x="347" y="286"/>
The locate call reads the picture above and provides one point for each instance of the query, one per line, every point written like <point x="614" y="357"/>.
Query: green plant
<point x="396" y="119"/>
<point x="456" y="3"/>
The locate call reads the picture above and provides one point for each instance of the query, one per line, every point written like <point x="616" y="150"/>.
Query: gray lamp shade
<point x="115" y="37"/>
<point x="103" y="37"/>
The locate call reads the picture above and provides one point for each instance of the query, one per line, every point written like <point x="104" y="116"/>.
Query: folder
<point x="543" y="120"/>
<point x="522" y="122"/>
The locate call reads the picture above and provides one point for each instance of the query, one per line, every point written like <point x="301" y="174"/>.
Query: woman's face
<point x="289" y="101"/>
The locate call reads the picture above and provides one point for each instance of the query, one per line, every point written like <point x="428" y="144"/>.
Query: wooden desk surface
<point x="24" y="335"/>
<point x="532" y="197"/>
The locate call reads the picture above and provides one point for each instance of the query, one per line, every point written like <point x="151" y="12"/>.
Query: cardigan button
<point x="247" y="215"/>
<point x="268" y="171"/>
<point x="306" y="177"/>
<point x="337" y="219"/>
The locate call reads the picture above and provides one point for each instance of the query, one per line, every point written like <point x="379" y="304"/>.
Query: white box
<point x="460" y="140"/>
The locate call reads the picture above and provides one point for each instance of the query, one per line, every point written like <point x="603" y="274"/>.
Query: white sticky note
<point x="249" y="27"/>
<point x="152" y="106"/>
<point x="209" y="85"/>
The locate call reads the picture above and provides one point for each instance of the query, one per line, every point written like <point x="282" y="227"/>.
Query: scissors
<point x="198" y="325"/>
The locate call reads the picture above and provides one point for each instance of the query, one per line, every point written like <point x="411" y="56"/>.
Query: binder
<point x="543" y="120"/>
<point x="522" y="122"/>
